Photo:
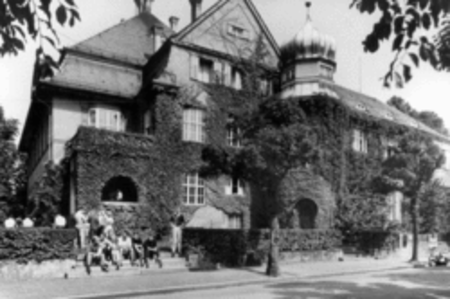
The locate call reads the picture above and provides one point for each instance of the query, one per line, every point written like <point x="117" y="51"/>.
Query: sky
<point x="428" y="90"/>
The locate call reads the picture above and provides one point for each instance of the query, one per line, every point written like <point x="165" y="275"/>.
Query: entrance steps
<point x="169" y="264"/>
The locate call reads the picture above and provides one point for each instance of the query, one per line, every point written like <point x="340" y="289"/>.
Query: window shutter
<point x="194" y="66"/>
<point x="226" y="74"/>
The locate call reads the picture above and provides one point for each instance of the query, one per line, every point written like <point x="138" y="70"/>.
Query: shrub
<point x="229" y="247"/>
<point x="37" y="244"/>
<point x="370" y="241"/>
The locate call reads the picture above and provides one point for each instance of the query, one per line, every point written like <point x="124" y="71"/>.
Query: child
<point x="151" y="250"/>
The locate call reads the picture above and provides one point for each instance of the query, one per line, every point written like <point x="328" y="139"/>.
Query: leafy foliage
<point x="429" y="118"/>
<point x="362" y="212"/>
<point x="407" y="25"/>
<point x="47" y="196"/>
<point x="433" y="208"/>
<point x="12" y="173"/>
<point x="229" y="247"/>
<point x="35" y="19"/>
<point x="37" y="244"/>
<point x="409" y="171"/>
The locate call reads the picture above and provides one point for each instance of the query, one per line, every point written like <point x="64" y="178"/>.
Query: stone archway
<point x="307" y="211"/>
<point x="120" y="189"/>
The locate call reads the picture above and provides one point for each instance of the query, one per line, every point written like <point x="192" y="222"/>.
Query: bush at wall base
<point x="37" y="244"/>
<point x="233" y="247"/>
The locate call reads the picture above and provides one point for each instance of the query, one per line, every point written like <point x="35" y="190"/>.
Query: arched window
<point x="120" y="189"/>
<point x="307" y="212"/>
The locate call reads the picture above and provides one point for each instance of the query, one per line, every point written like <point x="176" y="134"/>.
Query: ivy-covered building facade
<point x="129" y="114"/>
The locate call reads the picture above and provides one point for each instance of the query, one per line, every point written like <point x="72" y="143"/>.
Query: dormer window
<point x="237" y="31"/>
<point x="107" y="118"/>
<point x="359" y="142"/>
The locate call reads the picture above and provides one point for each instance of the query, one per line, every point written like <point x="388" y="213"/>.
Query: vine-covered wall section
<point x="155" y="164"/>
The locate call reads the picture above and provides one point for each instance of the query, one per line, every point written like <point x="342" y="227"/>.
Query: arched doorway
<point x="120" y="189"/>
<point x="307" y="213"/>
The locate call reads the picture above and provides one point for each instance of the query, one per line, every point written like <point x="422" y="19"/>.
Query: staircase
<point x="169" y="264"/>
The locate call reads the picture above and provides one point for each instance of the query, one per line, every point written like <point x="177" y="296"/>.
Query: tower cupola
<point x="308" y="57"/>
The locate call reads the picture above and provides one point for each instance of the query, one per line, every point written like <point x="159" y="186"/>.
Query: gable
<point x="231" y="27"/>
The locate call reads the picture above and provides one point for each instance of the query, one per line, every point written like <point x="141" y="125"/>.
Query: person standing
<point x="177" y="222"/>
<point x="82" y="225"/>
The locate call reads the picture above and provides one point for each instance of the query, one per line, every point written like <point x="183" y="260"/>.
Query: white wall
<point x="67" y="117"/>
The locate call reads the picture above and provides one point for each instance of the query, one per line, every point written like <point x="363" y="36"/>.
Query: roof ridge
<point x="408" y="117"/>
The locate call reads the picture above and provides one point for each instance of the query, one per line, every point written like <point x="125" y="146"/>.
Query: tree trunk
<point x="415" y="230"/>
<point x="273" y="267"/>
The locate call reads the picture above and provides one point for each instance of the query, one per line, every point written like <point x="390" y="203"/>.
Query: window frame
<point x="360" y="142"/>
<point x="194" y="126"/>
<point x="235" y="221"/>
<point x="233" y="137"/>
<point x="97" y="113"/>
<point x="193" y="182"/>
<point x="205" y="69"/>
<point x="234" y="187"/>
<point x="238" y="31"/>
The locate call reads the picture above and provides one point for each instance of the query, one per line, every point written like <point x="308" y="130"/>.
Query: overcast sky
<point x="356" y="70"/>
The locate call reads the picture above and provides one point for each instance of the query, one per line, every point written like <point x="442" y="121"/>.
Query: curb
<point x="211" y="286"/>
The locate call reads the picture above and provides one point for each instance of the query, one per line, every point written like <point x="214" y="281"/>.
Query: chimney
<point x="157" y="35"/>
<point x="196" y="9"/>
<point x="174" y="23"/>
<point x="147" y="6"/>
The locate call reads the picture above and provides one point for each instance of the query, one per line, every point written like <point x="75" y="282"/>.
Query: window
<point x="106" y="118"/>
<point x="238" y="31"/>
<point x="193" y="125"/>
<point x="206" y="71"/>
<point x="149" y="123"/>
<point x="326" y="71"/>
<point x="233" y="137"/>
<point x="236" y="79"/>
<point x="389" y="147"/>
<point x="235" y="221"/>
<point x="359" y="142"/>
<point x="193" y="190"/>
<point x="264" y="87"/>
<point x="234" y="187"/>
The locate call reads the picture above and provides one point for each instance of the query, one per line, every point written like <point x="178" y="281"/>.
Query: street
<point x="407" y="283"/>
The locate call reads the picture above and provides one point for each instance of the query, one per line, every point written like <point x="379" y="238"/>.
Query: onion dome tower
<point x="307" y="60"/>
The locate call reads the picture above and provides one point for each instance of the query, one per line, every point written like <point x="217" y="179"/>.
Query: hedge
<point x="229" y="247"/>
<point x="368" y="241"/>
<point x="37" y="244"/>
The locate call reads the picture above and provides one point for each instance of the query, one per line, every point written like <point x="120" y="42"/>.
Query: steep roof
<point x="110" y="62"/>
<point x="362" y="103"/>
<point x="128" y="41"/>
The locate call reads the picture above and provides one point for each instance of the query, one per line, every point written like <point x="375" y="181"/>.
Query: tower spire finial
<point x="308" y="10"/>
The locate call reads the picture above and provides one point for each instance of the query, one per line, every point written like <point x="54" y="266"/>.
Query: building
<point x="110" y="114"/>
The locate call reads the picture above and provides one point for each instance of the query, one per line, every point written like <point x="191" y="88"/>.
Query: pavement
<point x="167" y="282"/>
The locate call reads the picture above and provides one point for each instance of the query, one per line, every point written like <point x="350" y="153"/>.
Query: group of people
<point x="98" y="238"/>
<point x="28" y="222"/>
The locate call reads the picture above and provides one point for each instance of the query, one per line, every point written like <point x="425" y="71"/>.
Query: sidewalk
<point x="170" y="282"/>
